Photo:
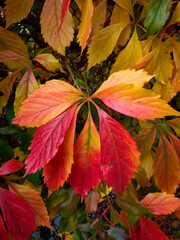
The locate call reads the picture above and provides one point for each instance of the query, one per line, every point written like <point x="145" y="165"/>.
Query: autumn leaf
<point x="7" y="55"/>
<point x="10" y="167"/>
<point x="103" y="43"/>
<point x="46" y="103"/>
<point x="33" y="198"/>
<point x="4" y="234"/>
<point x="86" y="156"/>
<point x="17" y="214"/>
<point x="50" y="20"/>
<point x="91" y="201"/>
<point x="57" y="171"/>
<point x="134" y="233"/>
<point x="48" y="61"/>
<point x="119" y="153"/>
<point x="129" y="56"/>
<point x="85" y="25"/>
<point x="149" y="231"/>
<point x="166" y="166"/>
<point x="47" y="140"/>
<point x="175" y="142"/>
<point x="64" y="10"/>
<point x="126" y="5"/>
<point x="26" y="86"/>
<point x="161" y="203"/>
<point x="176" y="16"/>
<point x="17" y="10"/>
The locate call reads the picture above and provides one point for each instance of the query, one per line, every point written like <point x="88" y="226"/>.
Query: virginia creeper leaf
<point x="166" y="166"/>
<point x="4" y="234"/>
<point x="103" y="43"/>
<point x="117" y="234"/>
<point x="47" y="140"/>
<point x="47" y="102"/>
<point x="149" y="231"/>
<point x="85" y="25"/>
<point x="17" y="10"/>
<point x="175" y="142"/>
<point x="10" y="167"/>
<point x="126" y="5"/>
<point x="161" y="203"/>
<point x="33" y="198"/>
<point x="91" y="201"/>
<point x="7" y="55"/>
<point x="64" y="10"/>
<point x="57" y="171"/>
<point x="48" y="61"/>
<point x="50" y="20"/>
<point x="156" y="15"/>
<point x="18" y="215"/>
<point x="86" y="156"/>
<point x="26" y="86"/>
<point x="134" y="233"/>
<point x="176" y="16"/>
<point x="119" y="153"/>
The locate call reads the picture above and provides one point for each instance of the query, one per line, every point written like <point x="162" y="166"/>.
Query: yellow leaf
<point x="33" y="198"/>
<point x="147" y="163"/>
<point x="48" y="61"/>
<point x="98" y="17"/>
<point x="126" y="5"/>
<point x="176" y="16"/>
<point x="50" y="20"/>
<point x="26" y="86"/>
<point x="165" y="91"/>
<point x="147" y="44"/>
<point x="19" y="153"/>
<point x="176" y="53"/>
<point x="141" y="177"/>
<point x="103" y="43"/>
<point x="79" y="3"/>
<point x="17" y="10"/>
<point x="85" y="25"/>
<point x="129" y="56"/>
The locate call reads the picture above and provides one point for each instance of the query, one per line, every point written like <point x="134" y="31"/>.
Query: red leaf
<point x="46" y="141"/>
<point x="149" y="231"/>
<point x="18" y="215"/>
<point x="10" y="167"/>
<point x="58" y="169"/>
<point x="134" y="233"/>
<point x="119" y="153"/>
<point x="4" y="234"/>
<point x="86" y="170"/>
<point x="64" y="9"/>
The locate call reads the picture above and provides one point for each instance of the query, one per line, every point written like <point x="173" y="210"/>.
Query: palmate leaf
<point x="17" y="214"/>
<point x="47" y="102"/>
<point x="119" y="153"/>
<point x="86" y="170"/>
<point x="161" y="203"/>
<point x="10" y="167"/>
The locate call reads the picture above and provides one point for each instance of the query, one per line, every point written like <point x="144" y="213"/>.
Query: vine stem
<point x="70" y="72"/>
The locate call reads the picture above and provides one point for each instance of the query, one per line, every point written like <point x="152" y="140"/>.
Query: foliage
<point x="89" y="128"/>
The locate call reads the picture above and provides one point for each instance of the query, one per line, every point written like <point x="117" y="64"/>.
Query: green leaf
<point x="131" y="206"/>
<point x="8" y="131"/>
<point x="115" y="218"/>
<point x="6" y="151"/>
<point x="156" y="15"/>
<point x="55" y="198"/>
<point x="67" y="224"/>
<point x="117" y="234"/>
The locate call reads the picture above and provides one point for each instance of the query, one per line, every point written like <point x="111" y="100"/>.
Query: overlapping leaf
<point x="50" y="22"/>
<point x="161" y="203"/>
<point x="87" y="159"/>
<point x="119" y="153"/>
<point x="26" y="86"/>
<point x="91" y="201"/>
<point x="126" y="5"/>
<point x="64" y="10"/>
<point x="47" y="102"/>
<point x="4" y="234"/>
<point x="176" y="16"/>
<point x="10" y="167"/>
<point x="7" y="55"/>
<point x="33" y="198"/>
<point x="18" y="215"/>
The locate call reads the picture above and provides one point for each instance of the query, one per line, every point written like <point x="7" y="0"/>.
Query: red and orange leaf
<point x="47" y="140"/>
<point x="166" y="166"/>
<point x="86" y="170"/>
<point x="119" y="153"/>
<point x="64" y="9"/>
<point x="26" y="86"/>
<point x="85" y="25"/>
<point x="17" y="10"/>
<point x="46" y="103"/>
<point x="50" y="22"/>
<point x="7" y="55"/>
<point x="48" y="61"/>
<point x="135" y="101"/>
<point x="4" y="234"/>
<point x="33" y="198"/>
<point x="149" y="231"/>
<point x="161" y="203"/>
<point x="17" y="214"/>
<point x="57" y="171"/>
<point x="10" y="167"/>
<point x="175" y="142"/>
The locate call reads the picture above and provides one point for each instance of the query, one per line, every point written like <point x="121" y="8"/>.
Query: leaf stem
<point x="71" y="74"/>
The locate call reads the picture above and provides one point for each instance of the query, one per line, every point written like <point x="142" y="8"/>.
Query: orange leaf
<point x="119" y="153"/>
<point x="26" y="86"/>
<point x="47" y="102"/>
<point x="91" y="201"/>
<point x="7" y="55"/>
<point x="86" y="156"/>
<point x="50" y="22"/>
<point x="161" y="203"/>
<point x="33" y="198"/>
<point x="166" y="166"/>
<point x="17" y="10"/>
<point x="85" y="25"/>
